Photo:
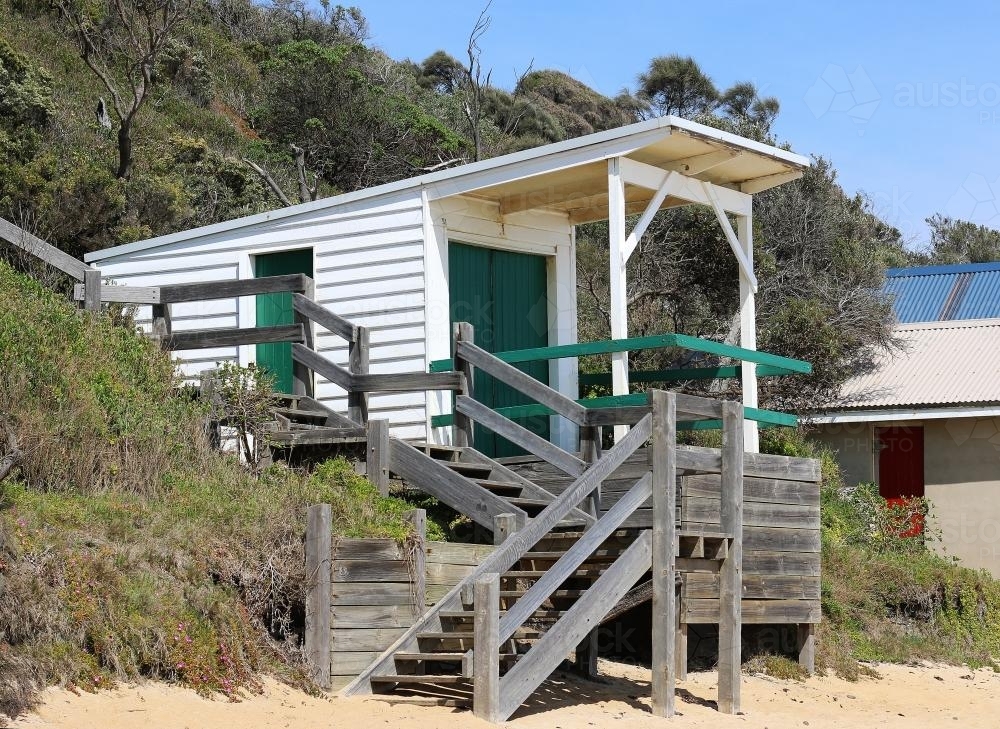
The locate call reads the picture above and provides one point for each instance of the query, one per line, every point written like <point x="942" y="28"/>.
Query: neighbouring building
<point x="926" y="422"/>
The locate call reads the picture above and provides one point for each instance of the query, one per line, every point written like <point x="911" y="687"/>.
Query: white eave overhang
<point x="570" y="177"/>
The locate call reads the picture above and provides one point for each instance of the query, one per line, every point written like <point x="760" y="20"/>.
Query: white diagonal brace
<point x="684" y="187"/>
<point x="746" y="265"/>
<point x="632" y="242"/>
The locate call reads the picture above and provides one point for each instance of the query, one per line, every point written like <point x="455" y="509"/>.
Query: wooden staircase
<point x="539" y="597"/>
<point x="442" y="669"/>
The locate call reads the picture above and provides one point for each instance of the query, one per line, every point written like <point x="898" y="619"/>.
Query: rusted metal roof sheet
<point x="943" y="364"/>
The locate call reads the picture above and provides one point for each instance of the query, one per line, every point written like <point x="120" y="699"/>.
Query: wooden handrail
<point x="392" y="382"/>
<point x="325" y="318"/>
<point x="211" y="338"/>
<point x="209" y="290"/>
<point x="544" y="656"/>
<point x="515" y="548"/>
<point x="523" y="383"/>
<point x="34" y="245"/>
<point x="202" y="291"/>
<point x="520" y="436"/>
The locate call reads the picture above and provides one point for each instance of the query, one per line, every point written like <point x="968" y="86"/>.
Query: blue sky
<point x="904" y="98"/>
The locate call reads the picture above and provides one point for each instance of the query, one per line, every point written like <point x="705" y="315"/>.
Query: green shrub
<point x="128" y="548"/>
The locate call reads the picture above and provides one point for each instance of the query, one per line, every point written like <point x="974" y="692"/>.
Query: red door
<point x="901" y="468"/>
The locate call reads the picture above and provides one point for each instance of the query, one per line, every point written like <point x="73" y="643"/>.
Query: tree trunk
<point x="124" y="151"/>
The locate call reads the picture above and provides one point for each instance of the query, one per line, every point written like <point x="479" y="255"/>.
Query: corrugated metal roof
<point x="982" y="300"/>
<point x="945" y="293"/>
<point x="946" y="363"/>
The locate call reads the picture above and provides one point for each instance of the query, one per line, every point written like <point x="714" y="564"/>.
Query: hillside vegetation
<point x="127" y="547"/>
<point x="249" y="106"/>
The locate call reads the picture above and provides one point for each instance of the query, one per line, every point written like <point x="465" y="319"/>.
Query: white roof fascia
<point x="889" y="415"/>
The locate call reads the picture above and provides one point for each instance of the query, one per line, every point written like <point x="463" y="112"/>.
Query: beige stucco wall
<point x="961" y="473"/>
<point x="853" y="445"/>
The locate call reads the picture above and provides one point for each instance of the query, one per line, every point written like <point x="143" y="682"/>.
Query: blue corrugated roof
<point x="945" y="293"/>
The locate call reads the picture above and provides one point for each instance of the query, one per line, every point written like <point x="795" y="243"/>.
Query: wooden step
<point x="501" y="488"/>
<point x="468" y="635"/>
<point x="556" y="593"/>
<point x="471" y="614"/>
<point x="527" y="504"/>
<point x="469" y="470"/>
<point x="295" y="414"/>
<point x="400" y="679"/>
<point x="445" y="657"/>
<point x="593" y="572"/>
<point x="316" y="436"/>
<point x="447" y="702"/>
<point x="601" y="555"/>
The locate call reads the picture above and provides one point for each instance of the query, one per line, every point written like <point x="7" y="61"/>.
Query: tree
<point x="962" y="241"/>
<point x="121" y="41"/>
<point x="677" y="85"/>
<point x="355" y="133"/>
<point x="442" y="72"/>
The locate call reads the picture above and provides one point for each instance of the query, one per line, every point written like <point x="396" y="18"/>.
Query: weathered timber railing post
<point x="213" y="429"/>
<point x="162" y="324"/>
<point x="358" y="363"/>
<point x="486" y="651"/>
<point x="418" y="518"/>
<point x="731" y="576"/>
<point x="318" y="574"/>
<point x="585" y="662"/>
<point x="302" y="377"/>
<point x="377" y="458"/>
<point x="92" y="290"/>
<point x="463" y="433"/>
<point x="590" y="452"/>
<point x="504" y="527"/>
<point x="664" y="453"/>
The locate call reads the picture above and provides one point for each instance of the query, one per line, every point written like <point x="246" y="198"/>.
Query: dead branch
<point x="266" y="176"/>
<point x="306" y="193"/>
<point x="14" y="454"/>
<point x="473" y="107"/>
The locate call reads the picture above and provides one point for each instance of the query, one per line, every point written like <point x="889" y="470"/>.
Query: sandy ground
<point x="911" y="697"/>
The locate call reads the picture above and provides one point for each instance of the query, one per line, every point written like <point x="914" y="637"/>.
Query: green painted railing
<point x="772" y="364"/>
<point x="768" y="365"/>
<point x="639" y="399"/>
<point x="680" y="374"/>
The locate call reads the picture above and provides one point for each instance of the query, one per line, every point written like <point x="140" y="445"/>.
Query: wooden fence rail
<point x="60" y="260"/>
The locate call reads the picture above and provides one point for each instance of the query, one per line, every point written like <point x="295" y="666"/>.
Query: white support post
<point x="617" y="278"/>
<point x="748" y="332"/>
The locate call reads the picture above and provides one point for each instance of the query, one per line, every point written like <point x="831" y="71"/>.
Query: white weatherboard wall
<point x="369" y="268"/>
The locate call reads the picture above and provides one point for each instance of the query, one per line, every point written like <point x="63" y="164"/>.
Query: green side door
<point x="276" y="310"/>
<point x="504" y="296"/>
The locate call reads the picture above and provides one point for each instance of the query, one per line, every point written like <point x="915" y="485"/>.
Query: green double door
<point x="504" y="296"/>
<point x="276" y="310"/>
